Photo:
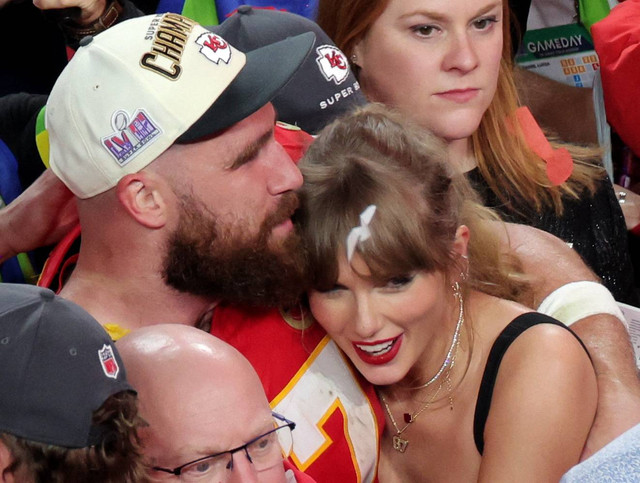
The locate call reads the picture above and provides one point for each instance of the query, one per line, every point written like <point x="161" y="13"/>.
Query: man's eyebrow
<point x="251" y="151"/>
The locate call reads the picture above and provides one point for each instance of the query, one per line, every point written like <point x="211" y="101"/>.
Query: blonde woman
<point x="411" y="286"/>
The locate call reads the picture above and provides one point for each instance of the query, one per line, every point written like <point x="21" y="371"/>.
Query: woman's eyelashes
<point x="399" y="282"/>
<point x="425" y="31"/>
<point x="332" y="289"/>
<point x="485" y="23"/>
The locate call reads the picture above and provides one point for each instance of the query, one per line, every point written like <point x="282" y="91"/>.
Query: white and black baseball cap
<point x="133" y="90"/>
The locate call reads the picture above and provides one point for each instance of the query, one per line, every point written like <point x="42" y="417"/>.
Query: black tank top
<point x="516" y="327"/>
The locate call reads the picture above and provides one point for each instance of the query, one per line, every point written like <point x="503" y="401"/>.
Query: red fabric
<point x="295" y="141"/>
<point x="559" y="161"/>
<point x="300" y="476"/>
<point x="59" y="260"/>
<point x="337" y="414"/>
<point x="617" y="41"/>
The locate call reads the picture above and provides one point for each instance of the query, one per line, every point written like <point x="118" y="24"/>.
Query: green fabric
<point x="592" y="11"/>
<point x="203" y="12"/>
<point x="30" y="275"/>
<point x="42" y="138"/>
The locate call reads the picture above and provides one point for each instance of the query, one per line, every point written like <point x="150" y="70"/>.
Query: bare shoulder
<point x="537" y="349"/>
<point x="543" y="404"/>
<point x="548" y="344"/>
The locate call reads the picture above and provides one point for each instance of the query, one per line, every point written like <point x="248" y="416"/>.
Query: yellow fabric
<point x="115" y="331"/>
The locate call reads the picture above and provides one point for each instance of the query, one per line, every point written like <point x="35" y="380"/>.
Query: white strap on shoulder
<point x="576" y="300"/>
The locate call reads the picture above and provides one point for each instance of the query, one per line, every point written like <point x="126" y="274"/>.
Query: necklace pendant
<point x="400" y="444"/>
<point x="408" y="418"/>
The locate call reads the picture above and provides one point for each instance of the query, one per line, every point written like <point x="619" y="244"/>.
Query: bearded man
<point x="184" y="196"/>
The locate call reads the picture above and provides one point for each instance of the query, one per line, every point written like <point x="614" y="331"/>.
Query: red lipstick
<point x="387" y="351"/>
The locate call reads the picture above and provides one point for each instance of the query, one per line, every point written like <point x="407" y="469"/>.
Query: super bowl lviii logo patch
<point x="333" y="63"/>
<point x="108" y="361"/>
<point x="131" y="135"/>
<point x="214" y="47"/>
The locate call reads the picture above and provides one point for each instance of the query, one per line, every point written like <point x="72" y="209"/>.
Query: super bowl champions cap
<point x="133" y="90"/>
<point x="57" y="366"/>
<point x="322" y="89"/>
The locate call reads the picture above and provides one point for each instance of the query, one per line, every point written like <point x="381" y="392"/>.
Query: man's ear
<point x="143" y="196"/>
<point x="6" y="458"/>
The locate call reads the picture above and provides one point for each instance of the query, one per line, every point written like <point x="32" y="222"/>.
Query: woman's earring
<point x="354" y="59"/>
<point x="465" y="273"/>
<point x="457" y="290"/>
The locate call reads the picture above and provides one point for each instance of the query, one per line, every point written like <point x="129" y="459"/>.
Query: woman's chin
<point x="455" y="127"/>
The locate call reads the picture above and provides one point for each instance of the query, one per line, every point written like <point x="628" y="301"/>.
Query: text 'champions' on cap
<point x="133" y="90"/>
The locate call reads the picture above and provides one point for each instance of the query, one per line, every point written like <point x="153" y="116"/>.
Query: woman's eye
<point x="332" y="289"/>
<point x="424" y="30"/>
<point x="400" y="281"/>
<point x="484" y="23"/>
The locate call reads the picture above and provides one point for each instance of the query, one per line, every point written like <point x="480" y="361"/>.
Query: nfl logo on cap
<point x="108" y="361"/>
<point x="333" y="64"/>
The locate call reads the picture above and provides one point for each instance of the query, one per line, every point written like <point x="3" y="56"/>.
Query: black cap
<point x="57" y="366"/>
<point x="266" y="71"/>
<point x="321" y="89"/>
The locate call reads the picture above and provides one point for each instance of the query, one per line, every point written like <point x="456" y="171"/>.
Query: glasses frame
<point x="178" y="470"/>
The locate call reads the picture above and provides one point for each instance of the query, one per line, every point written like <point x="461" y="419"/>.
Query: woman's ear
<point x="357" y="57"/>
<point x="461" y="241"/>
<point x="143" y="197"/>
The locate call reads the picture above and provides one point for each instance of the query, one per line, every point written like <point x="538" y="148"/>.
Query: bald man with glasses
<point x="207" y="413"/>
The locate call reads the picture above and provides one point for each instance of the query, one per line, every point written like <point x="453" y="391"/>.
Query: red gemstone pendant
<point x="407" y="418"/>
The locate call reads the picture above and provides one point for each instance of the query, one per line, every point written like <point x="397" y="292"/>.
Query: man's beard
<point x="221" y="262"/>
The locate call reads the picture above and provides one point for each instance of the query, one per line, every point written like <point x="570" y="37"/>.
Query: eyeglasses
<point x="264" y="452"/>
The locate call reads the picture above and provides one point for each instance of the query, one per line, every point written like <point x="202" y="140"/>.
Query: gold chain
<point x="413" y="416"/>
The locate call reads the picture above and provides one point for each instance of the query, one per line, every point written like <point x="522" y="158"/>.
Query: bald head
<point x="198" y="394"/>
<point x="183" y="357"/>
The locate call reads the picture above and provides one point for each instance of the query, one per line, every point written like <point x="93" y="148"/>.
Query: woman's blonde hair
<point x="373" y="157"/>
<point x="512" y="170"/>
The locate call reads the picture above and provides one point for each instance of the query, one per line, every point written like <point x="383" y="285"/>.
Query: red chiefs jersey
<point x="307" y="378"/>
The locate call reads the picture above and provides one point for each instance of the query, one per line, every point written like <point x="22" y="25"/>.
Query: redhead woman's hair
<point x="373" y="157"/>
<point x="512" y="170"/>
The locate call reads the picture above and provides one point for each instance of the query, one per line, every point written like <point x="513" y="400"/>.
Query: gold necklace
<point x="400" y="444"/>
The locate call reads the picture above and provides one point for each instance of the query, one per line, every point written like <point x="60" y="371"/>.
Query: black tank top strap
<point x="500" y="346"/>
